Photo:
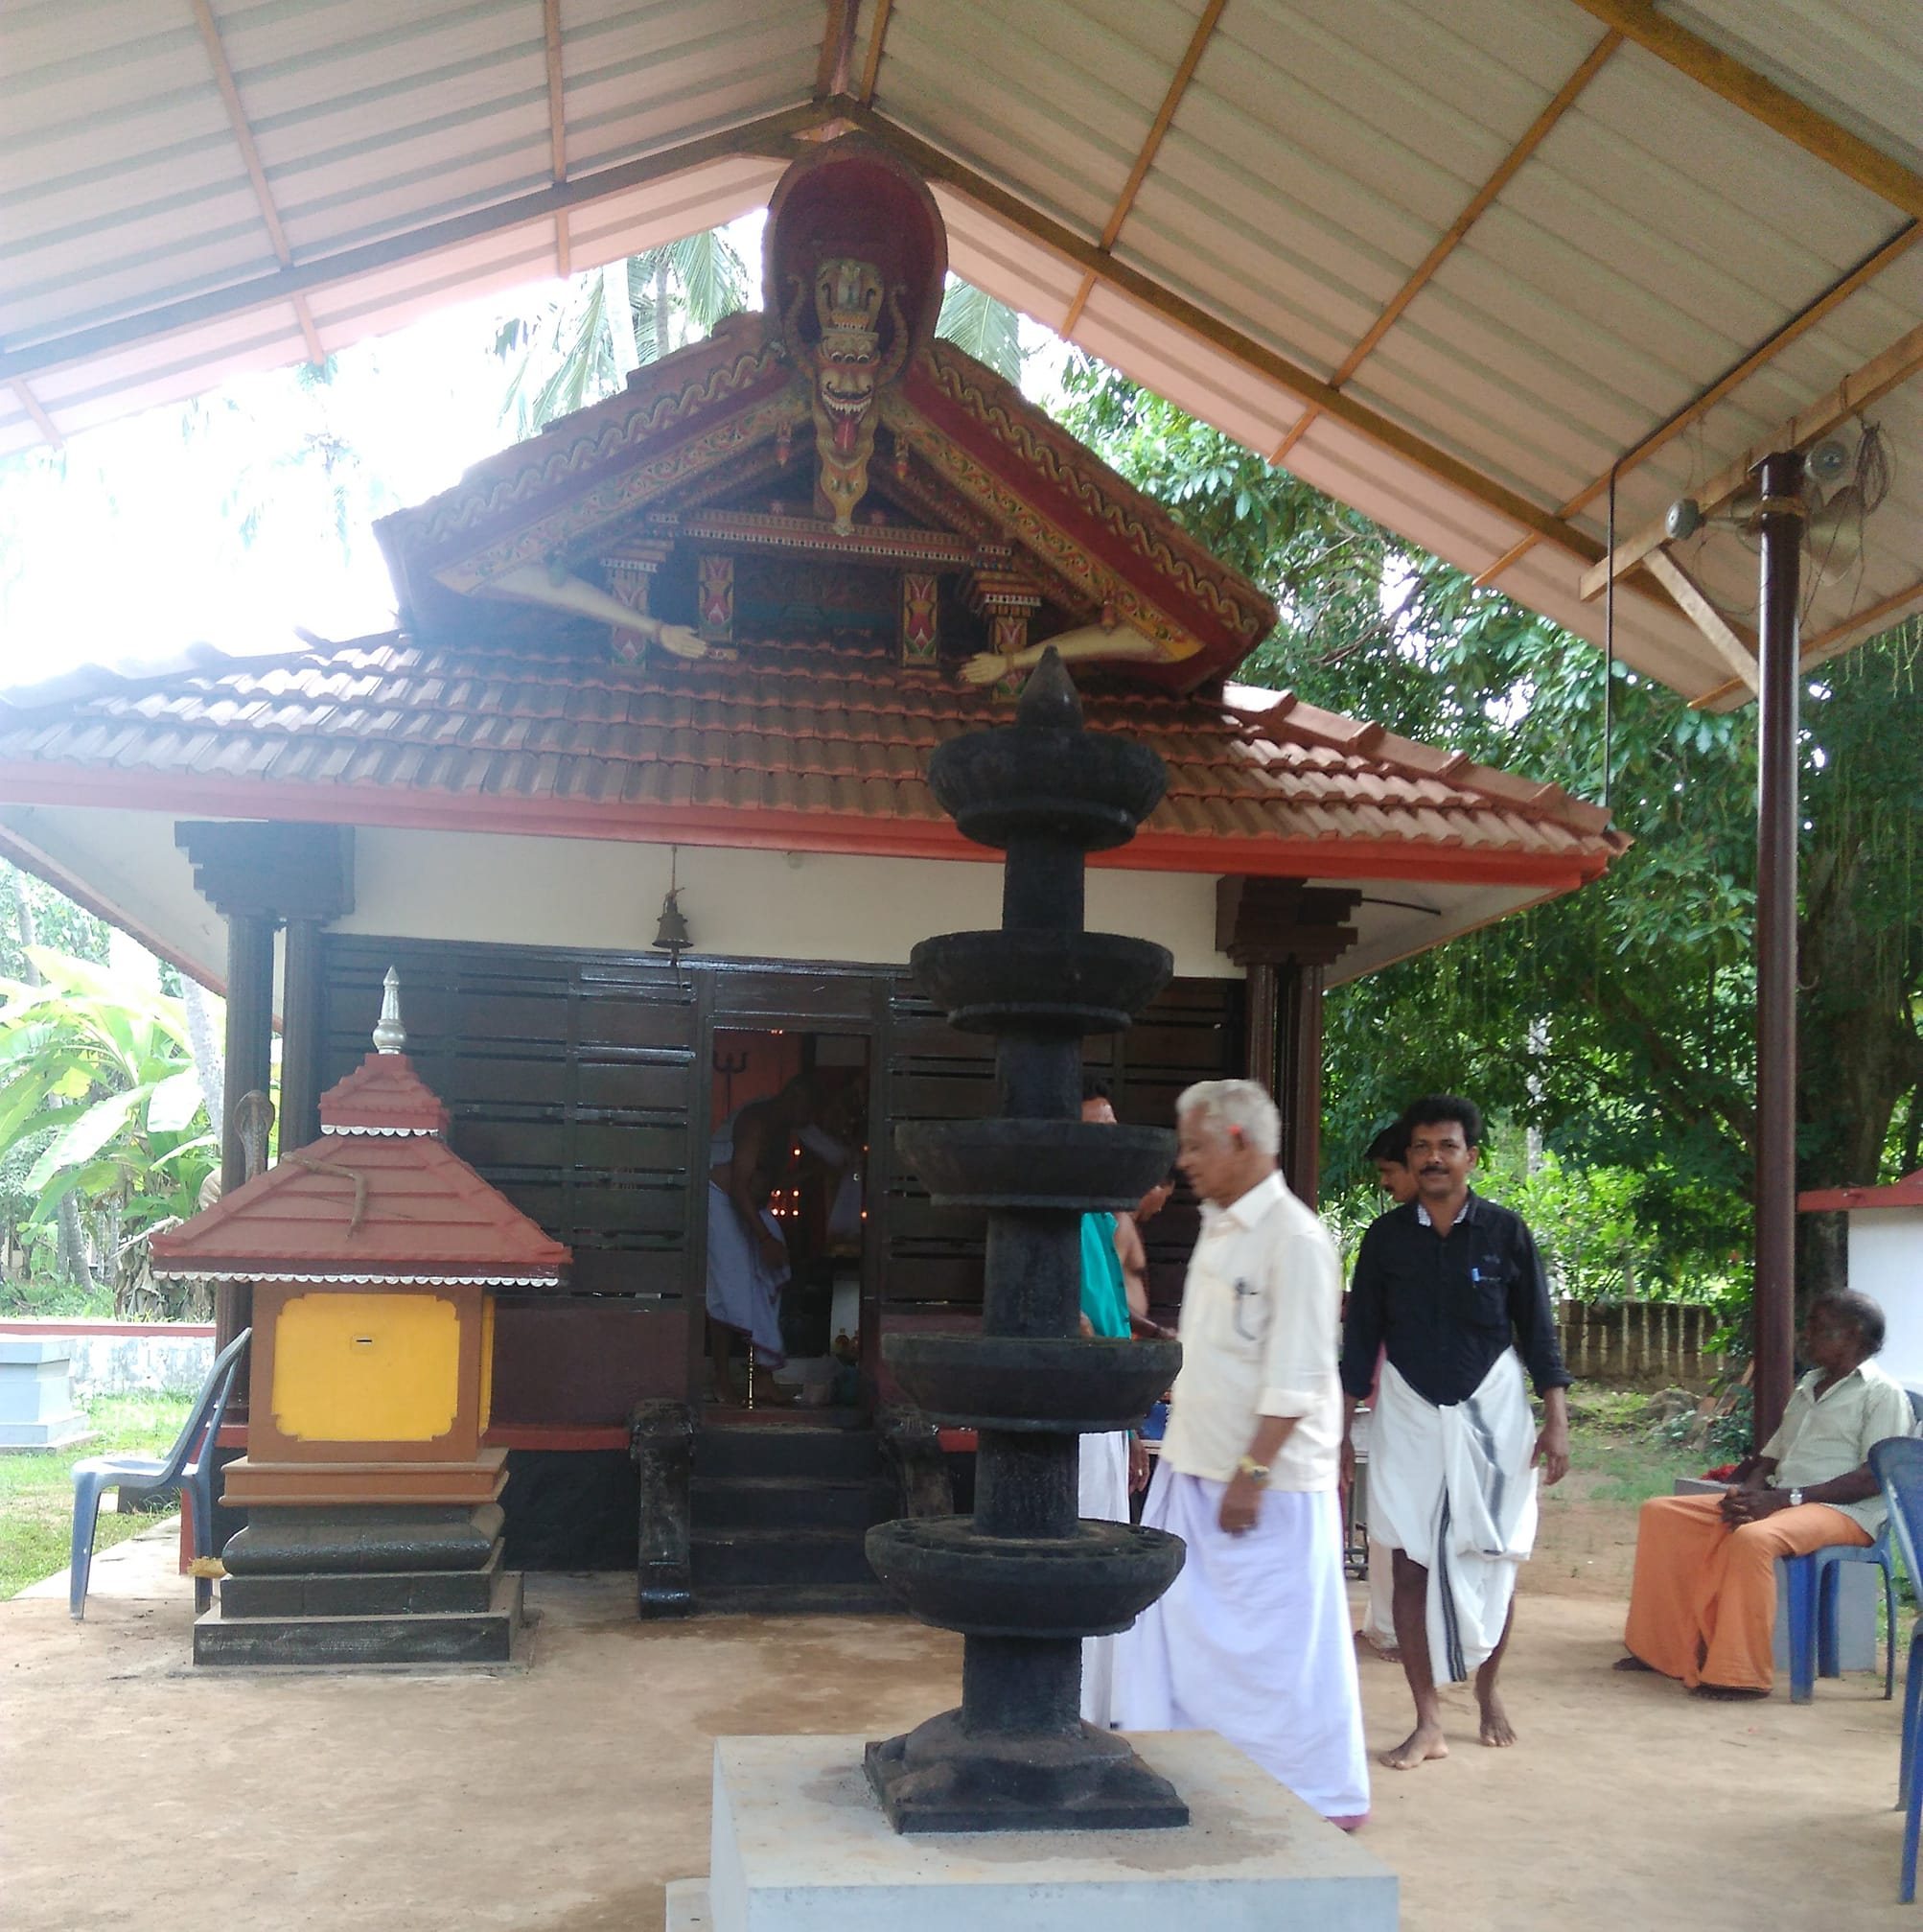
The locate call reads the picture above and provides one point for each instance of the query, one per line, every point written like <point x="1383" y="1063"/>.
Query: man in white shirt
<point x="1252" y="1639"/>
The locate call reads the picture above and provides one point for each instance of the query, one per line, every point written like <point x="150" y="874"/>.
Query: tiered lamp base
<point x="365" y="1585"/>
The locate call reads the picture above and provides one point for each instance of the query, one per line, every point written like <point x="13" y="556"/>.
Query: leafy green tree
<point x="1616" y="1022"/>
<point x="982" y="327"/>
<point x="98" y="1092"/>
<point x="583" y="343"/>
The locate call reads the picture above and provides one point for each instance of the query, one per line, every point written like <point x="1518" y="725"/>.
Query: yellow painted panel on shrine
<point x="367" y="1367"/>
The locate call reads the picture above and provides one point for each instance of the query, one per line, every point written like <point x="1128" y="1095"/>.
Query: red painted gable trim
<point x="772" y="830"/>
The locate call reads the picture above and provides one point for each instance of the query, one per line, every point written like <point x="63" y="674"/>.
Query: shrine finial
<point x="389" y="1034"/>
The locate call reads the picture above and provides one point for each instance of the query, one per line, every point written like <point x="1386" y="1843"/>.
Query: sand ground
<point x="137" y="1793"/>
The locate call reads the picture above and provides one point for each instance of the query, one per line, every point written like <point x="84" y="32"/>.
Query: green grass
<point x="36" y="1490"/>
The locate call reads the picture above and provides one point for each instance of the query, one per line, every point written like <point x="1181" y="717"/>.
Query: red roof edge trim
<point x="364" y="804"/>
<point x="1904" y="1193"/>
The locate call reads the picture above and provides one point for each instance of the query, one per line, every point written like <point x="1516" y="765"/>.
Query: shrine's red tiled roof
<point x="383" y="1095"/>
<point x="364" y="1206"/>
<point x="790" y="746"/>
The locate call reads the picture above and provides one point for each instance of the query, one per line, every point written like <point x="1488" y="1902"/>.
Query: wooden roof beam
<point x="557" y="130"/>
<point x="937" y="165"/>
<point x="257" y="174"/>
<point x="1185" y="71"/>
<point x="1824" y="645"/>
<point x="1735" y="650"/>
<point x="42" y="422"/>
<point x="834" y="69"/>
<point x="872" y="64"/>
<point x="1763" y="100"/>
<point x="1473" y="210"/>
<point x="1738" y="372"/>
<point x="1857" y="391"/>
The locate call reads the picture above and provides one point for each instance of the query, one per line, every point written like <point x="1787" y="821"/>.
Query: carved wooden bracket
<point x="1271" y="921"/>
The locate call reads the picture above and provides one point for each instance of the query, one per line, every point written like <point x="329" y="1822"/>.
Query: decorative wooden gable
<point x="826" y="469"/>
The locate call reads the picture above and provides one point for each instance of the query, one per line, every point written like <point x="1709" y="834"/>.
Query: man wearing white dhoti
<point x="1252" y="1639"/>
<point x="1449" y="1288"/>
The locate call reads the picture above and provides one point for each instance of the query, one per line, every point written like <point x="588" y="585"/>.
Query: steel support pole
<point x="1781" y="524"/>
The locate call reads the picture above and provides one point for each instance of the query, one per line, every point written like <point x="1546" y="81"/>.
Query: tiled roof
<point x="356" y="1206"/>
<point x="823" y="748"/>
<point x="383" y="1095"/>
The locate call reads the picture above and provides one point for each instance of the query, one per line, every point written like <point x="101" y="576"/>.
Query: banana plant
<point x="97" y="1090"/>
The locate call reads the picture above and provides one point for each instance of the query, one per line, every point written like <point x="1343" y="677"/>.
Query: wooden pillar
<point x="1301" y="1090"/>
<point x="300" y="1034"/>
<point x="249" y="1069"/>
<point x="1285" y="933"/>
<point x="1262" y="1059"/>
<point x="1773" y="1295"/>
<point x="256" y="876"/>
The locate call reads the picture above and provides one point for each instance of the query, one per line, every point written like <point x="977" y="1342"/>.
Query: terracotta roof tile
<point x="833" y="734"/>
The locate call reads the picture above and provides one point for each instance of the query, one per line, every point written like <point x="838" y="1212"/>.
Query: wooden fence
<point x="1654" y="1342"/>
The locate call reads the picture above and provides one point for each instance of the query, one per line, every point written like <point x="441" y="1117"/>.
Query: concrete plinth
<point x="36" y="1393"/>
<point x="798" y="1845"/>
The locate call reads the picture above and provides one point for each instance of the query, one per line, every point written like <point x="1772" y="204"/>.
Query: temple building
<point x="633" y="801"/>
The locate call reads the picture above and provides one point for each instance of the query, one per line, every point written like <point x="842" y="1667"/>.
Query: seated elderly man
<point x="1704" y="1603"/>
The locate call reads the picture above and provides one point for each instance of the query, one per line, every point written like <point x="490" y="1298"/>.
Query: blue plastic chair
<point x="187" y="1468"/>
<point x="1812" y="1589"/>
<point x="1898" y="1465"/>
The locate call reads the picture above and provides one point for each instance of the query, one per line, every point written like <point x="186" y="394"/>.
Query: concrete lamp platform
<point x="800" y="1844"/>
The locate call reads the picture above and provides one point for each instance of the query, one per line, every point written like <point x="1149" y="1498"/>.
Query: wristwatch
<point x="1249" y="1466"/>
<point x="1795" y="1498"/>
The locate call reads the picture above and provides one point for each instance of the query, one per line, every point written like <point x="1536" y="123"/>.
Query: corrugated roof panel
<point x="1074" y="86"/>
<point x="1859" y="64"/>
<point x="1009" y="265"/>
<point x="639" y="79"/>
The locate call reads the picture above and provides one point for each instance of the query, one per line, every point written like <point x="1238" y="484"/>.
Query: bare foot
<point x="1423" y="1742"/>
<point x="1632" y="1664"/>
<point x="1497" y="1733"/>
<point x="1387" y="1652"/>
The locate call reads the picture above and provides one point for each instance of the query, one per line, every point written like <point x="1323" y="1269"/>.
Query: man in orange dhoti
<point x="1702" y="1606"/>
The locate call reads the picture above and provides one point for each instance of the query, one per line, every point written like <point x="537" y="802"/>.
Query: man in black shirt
<point x="1451" y="1286"/>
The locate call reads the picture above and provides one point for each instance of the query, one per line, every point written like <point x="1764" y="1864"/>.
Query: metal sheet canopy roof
<point x="1452" y="260"/>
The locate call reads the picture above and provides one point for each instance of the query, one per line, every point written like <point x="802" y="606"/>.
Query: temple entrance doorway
<point x="787" y="1223"/>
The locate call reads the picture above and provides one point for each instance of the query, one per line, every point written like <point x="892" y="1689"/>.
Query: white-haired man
<point x="1252" y="1639"/>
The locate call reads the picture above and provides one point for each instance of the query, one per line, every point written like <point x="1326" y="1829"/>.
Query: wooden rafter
<point x="771" y="134"/>
<point x="1737" y="651"/>
<point x="557" y="129"/>
<point x="1877" y="377"/>
<point x="1257" y="358"/>
<point x="1825" y="644"/>
<point x="1763" y="100"/>
<point x="872" y="65"/>
<point x="250" y="156"/>
<point x="1739" y="372"/>
<point x="42" y="422"/>
<point x="834" y="69"/>
<point x="1473" y="210"/>
<point x="1185" y="71"/>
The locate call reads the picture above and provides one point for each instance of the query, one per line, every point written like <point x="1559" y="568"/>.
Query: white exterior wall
<point x="738" y="904"/>
<point x="1885" y="1263"/>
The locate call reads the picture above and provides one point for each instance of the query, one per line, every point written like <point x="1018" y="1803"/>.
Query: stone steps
<point x="419" y="1638"/>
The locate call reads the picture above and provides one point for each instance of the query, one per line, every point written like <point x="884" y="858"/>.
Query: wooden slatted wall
<point x="573" y="1086"/>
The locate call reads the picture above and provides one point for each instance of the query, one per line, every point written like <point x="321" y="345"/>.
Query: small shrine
<point x="374" y="1528"/>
